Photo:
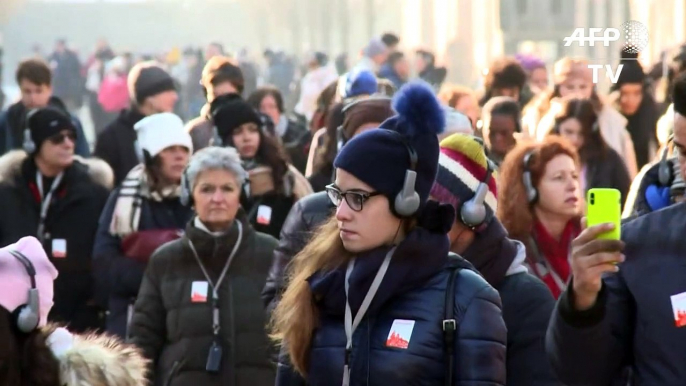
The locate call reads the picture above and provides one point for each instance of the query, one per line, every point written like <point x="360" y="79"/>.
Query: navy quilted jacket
<point x="479" y="346"/>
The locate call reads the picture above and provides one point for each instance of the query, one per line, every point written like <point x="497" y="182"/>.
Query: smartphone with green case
<point x="604" y="206"/>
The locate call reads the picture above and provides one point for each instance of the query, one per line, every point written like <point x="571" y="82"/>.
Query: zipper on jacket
<point x="172" y="373"/>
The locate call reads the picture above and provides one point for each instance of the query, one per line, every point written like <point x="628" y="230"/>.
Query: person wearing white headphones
<point x="141" y="214"/>
<point x="36" y="353"/>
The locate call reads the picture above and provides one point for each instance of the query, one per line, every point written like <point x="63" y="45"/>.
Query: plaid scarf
<point x="134" y="189"/>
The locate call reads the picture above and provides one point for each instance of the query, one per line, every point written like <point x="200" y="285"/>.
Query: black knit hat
<point x="47" y="122"/>
<point x="229" y="112"/>
<point x="632" y="72"/>
<point x="147" y="79"/>
<point x="380" y="157"/>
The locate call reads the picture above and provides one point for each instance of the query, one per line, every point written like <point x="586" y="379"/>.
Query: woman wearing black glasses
<point x="374" y="298"/>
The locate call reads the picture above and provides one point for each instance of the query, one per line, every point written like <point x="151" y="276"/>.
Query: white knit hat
<point x="160" y="131"/>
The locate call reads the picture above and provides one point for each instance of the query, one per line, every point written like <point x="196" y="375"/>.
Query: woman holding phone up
<point x="541" y="182"/>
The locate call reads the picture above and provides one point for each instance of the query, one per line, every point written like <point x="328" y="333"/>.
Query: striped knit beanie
<point x="462" y="165"/>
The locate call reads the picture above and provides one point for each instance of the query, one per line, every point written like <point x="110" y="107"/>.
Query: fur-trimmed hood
<point x="95" y="360"/>
<point x="99" y="171"/>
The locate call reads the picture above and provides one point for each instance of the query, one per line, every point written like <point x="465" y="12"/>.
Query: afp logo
<point x="635" y="40"/>
<point x="635" y="36"/>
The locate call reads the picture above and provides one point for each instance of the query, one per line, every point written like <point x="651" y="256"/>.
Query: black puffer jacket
<point x="400" y="339"/>
<point x="175" y="332"/>
<point x="72" y="217"/>
<point x="296" y="232"/>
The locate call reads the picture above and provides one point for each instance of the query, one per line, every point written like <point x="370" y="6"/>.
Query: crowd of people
<point x="366" y="227"/>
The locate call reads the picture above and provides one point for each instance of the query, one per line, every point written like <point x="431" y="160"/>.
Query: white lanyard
<point x="45" y="201"/>
<point x="542" y="267"/>
<point x="350" y="325"/>
<point x="215" y="287"/>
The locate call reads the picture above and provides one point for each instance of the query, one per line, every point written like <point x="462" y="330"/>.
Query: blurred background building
<point x="464" y="34"/>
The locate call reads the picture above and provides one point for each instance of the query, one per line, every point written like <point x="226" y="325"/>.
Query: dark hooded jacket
<point x="175" y="330"/>
<point x="305" y="216"/>
<point x="527" y="304"/>
<point x="638" y="319"/>
<point x="116" y="144"/>
<point x="412" y="294"/>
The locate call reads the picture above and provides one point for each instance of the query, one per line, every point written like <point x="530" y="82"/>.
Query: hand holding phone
<point x="605" y="206"/>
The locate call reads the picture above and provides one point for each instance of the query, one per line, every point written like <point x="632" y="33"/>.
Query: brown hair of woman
<point x="582" y="110"/>
<point x="515" y="212"/>
<point x="296" y="316"/>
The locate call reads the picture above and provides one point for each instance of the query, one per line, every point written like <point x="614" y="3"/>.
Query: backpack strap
<point x="449" y="323"/>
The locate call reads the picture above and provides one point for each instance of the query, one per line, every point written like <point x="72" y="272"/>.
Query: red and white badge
<point x="264" y="214"/>
<point x="199" y="292"/>
<point x="679" y="308"/>
<point x="401" y="333"/>
<point x="59" y="248"/>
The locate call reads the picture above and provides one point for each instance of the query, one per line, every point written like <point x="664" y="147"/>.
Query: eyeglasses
<point x="59" y="138"/>
<point x="354" y="199"/>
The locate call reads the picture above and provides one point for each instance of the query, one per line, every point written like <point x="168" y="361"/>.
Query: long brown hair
<point x="594" y="146"/>
<point x="295" y="318"/>
<point x="515" y="212"/>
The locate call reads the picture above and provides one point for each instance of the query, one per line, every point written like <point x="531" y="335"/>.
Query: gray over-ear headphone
<point x="27" y="316"/>
<point x="531" y="192"/>
<point x="473" y="212"/>
<point x="664" y="171"/>
<point x="27" y="144"/>
<point x="407" y="202"/>
<point x="185" y="196"/>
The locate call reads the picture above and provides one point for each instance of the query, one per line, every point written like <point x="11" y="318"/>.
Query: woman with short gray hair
<point x="198" y="316"/>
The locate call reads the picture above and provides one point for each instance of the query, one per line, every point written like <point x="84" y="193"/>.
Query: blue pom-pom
<point x="657" y="197"/>
<point x="417" y="105"/>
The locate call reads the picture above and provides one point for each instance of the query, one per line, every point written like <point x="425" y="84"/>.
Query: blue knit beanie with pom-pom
<point x="379" y="157"/>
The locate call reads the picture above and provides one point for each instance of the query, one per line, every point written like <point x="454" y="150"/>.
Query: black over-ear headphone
<point x="665" y="171"/>
<point x="531" y="192"/>
<point x="27" y="316"/>
<point x="406" y="202"/>
<point x="473" y="212"/>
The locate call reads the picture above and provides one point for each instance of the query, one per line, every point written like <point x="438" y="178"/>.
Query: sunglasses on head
<point x="354" y="199"/>
<point x="60" y="137"/>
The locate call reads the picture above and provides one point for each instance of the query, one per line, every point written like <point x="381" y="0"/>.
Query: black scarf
<point x="422" y="254"/>
<point x="492" y="253"/>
